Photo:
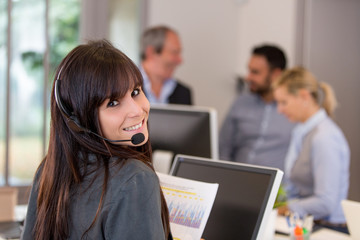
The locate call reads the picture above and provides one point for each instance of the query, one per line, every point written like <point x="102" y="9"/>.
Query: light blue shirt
<point x="254" y="132"/>
<point x="318" y="169"/>
<point x="298" y="134"/>
<point x="167" y="89"/>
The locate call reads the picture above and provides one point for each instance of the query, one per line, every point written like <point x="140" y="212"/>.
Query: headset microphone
<point x="73" y="122"/>
<point x="135" y="139"/>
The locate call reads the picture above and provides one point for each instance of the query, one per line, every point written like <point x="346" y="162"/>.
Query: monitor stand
<point x="162" y="160"/>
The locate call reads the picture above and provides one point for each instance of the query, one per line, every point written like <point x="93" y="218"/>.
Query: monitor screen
<point x="181" y="129"/>
<point x="245" y="196"/>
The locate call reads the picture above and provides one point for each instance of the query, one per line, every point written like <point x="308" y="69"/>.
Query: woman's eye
<point x="135" y="92"/>
<point x="112" y="103"/>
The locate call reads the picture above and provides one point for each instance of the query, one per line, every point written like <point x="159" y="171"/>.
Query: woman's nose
<point x="136" y="107"/>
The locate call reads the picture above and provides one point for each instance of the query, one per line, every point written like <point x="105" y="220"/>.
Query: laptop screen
<point x="244" y="199"/>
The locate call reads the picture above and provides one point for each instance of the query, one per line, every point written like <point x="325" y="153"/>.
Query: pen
<point x="288" y="221"/>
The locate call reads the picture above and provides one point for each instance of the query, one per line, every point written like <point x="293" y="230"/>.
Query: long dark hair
<point x="89" y="74"/>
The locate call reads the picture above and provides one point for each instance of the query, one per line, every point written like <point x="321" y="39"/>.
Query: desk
<point x="322" y="234"/>
<point x="20" y="214"/>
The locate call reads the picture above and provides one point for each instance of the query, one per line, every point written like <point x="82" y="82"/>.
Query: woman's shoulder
<point x="328" y="130"/>
<point x="136" y="166"/>
<point x="135" y="179"/>
<point x="328" y="127"/>
<point x="131" y="169"/>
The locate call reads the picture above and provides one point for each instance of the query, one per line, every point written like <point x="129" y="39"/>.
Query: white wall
<point x="208" y="31"/>
<point x="119" y="21"/>
<point x="263" y="21"/>
<point x="217" y="38"/>
<point x="332" y="52"/>
<point x="124" y="25"/>
<point x="94" y="20"/>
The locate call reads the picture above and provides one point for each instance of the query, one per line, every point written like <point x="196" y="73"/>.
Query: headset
<point x="71" y="120"/>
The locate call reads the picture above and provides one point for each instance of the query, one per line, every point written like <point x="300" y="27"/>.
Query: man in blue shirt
<point x="161" y="55"/>
<point x="253" y="131"/>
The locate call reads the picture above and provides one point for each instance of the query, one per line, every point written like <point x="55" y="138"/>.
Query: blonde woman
<point x="317" y="162"/>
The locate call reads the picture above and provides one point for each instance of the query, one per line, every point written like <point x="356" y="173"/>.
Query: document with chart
<point x="189" y="204"/>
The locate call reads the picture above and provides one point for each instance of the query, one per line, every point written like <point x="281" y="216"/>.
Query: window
<point x="24" y="110"/>
<point x="3" y="66"/>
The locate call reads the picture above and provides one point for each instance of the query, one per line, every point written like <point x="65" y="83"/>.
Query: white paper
<point x="326" y="234"/>
<point x="281" y="225"/>
<point x="189" y="204"/>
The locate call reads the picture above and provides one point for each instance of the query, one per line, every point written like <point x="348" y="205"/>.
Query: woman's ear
<point x="304" y="94"/>
<point x="150" y="52"/>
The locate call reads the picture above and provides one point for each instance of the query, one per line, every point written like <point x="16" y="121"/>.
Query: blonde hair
<point x="299" y="78"/>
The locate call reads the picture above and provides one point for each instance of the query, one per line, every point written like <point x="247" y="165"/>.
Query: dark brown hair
<point x="89" y="74"/>
<point x="274" y="55"/>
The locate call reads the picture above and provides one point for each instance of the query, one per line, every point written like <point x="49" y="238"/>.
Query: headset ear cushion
<point x="74" y="124"/>
<point x="71" y="120"/>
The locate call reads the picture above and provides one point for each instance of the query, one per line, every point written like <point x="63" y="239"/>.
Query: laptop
<point x="245" y="196"/>
<point x="352" y="214"/>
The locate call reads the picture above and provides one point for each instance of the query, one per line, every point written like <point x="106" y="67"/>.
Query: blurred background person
<point x="253" y="131"/>
<point x="160" y="56"/>
<point x="317" y="163"/>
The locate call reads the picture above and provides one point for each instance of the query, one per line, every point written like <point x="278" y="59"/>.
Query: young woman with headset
<point x="97" y="180"/>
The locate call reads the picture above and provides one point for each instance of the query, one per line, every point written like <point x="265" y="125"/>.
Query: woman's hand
<point x="283" y="210"/>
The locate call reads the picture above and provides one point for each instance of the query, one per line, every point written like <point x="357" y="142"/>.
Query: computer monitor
<point x="245" y="197"/>
<point x="184" y="129"/>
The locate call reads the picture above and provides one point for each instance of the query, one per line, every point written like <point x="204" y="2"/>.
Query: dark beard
<point x="264" y="90"/>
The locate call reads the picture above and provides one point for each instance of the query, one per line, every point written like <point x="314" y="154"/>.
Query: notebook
<point x="352" y="214"/>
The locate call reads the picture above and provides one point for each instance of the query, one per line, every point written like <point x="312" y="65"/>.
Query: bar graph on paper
<point x="185" y="213"/>
<point x="189" y="203"/>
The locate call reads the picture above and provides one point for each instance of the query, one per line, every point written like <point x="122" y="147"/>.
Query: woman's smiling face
<point x="120" y="119"/>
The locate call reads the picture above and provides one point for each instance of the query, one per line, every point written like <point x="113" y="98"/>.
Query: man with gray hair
<point x="160" y="56"/>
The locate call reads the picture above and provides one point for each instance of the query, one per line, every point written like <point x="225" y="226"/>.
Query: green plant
<point x="281" y="197"/>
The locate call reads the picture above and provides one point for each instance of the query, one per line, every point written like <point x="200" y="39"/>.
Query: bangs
<point x="124" y="80"/>
<point x="103" y="72"/>
<point x="122" y="76"/>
